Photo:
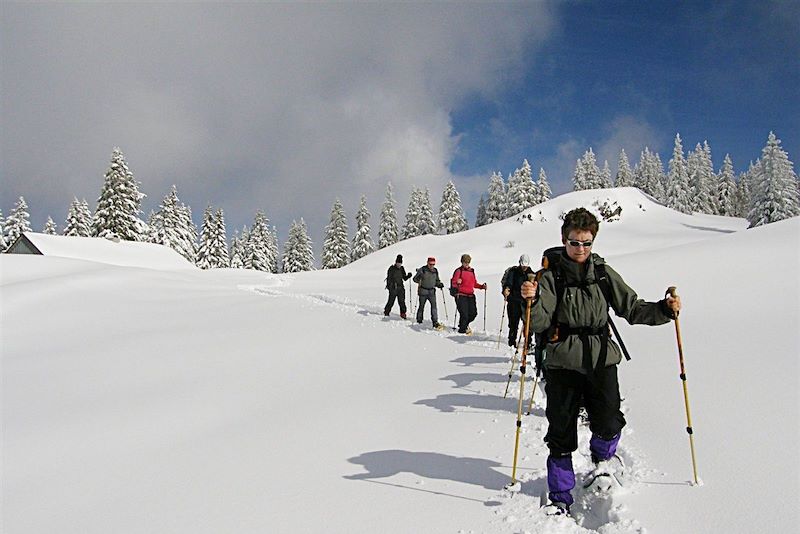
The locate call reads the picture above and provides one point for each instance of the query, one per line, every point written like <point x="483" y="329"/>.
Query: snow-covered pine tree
<point x="237" y="251"/>
<point x="480" y="217"/>
<point x="204" y="251"/>
<point x="775" y="195"/>
<point x="220" y="242"/>
<point x="3" y="243"/>
<point x="259" y="254"/>
<point x="171" y="226"/>
<point x="451" y="214"/>
<point x="624" y="176"/>
<point x="411" y="227"/>
<point x="744" y="190"/>
<point x="726" y="192"/>
<point x="522" y="191"/>
<point x="591" y="175"/>
<point x="496" y="206"/>
<point x="648" y="175"/>
<point x="426" y="223"/>
<point x="272" y="245"/>
<point x="336" y="247"/>
<point x="297" y="253"/>
<point x="605" y="176"/>
<point x="79" y="221"/>
<point x="17" y="222"/>
<point x="543" y="187"/>
<point x="388" y="233"/>
<point x="50" y="227"/>
<point x="118" y="210"/>
<point x="699" y="179"/>
<point x="579" y="176"/>
<point x="362" y="240"/>
<point x="246" y="251"/>
<point x="678" y="190"/>
<point x="713" y="179"/>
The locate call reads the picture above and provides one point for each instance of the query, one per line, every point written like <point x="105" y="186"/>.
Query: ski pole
<point x="455" y="314"/>
<point x="521" y="395"/>
<point x="513" y="363"/>
<point x="502" y="318"/>
<point x="484" y="307"/>
<point x="672" y="293"/>
<point x="444" y="301"/>
<point x="410" y="300"/>
<point x="533" y="393"/>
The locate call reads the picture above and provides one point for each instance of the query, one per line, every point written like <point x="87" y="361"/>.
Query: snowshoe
<point x="606" y="475"/>
<point x="556" y="508"/>
<point x="438" y="326"/>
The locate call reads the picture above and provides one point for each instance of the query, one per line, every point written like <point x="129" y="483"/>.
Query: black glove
<point x="408" y="276"/>
<point x="440" y="285"/>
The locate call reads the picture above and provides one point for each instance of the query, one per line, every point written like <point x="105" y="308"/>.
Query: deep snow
<point x="179" y="400"/>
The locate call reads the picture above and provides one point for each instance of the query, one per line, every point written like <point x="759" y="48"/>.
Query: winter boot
<point x="403" y="315"/>
<point x="556" y="508"/>
<point x="386" y="313"/>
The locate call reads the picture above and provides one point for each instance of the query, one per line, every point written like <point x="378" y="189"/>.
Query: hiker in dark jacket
<point x="581" y="359"/>
<point x="512" y="282"/>
<point x="465" y="282"/>
<point x="396" y="284"/>
<point x="428" y="279"/>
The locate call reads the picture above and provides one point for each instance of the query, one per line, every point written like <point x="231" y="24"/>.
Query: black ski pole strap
<point x="619" y="339"/>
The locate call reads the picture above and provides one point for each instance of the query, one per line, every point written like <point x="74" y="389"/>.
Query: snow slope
<point x="175" y="400"/>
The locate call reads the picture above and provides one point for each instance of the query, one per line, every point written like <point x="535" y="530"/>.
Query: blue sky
<point x="285" y="107"/>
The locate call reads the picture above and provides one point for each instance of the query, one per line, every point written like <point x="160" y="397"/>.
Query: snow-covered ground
<point x="179" y="400"/>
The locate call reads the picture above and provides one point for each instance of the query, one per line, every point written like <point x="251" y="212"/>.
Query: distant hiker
<point x="512" y="282"/>
<point x="396" y="284"/>
<point x="463" y="285"/>
<point x="581" y="359"/>
<point x="428" y="279"/>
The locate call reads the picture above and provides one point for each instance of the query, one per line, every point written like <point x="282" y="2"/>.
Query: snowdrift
<point x="234" y="401"/>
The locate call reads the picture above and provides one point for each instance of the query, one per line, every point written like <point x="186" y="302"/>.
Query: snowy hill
<point x="165" y="400"/>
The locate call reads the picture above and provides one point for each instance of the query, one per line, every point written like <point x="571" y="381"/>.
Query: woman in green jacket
<point x="581" y="359"/>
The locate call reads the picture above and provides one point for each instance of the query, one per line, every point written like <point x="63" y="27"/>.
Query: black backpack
<point x="551" y="261"/>
<point x="453" y="287"/>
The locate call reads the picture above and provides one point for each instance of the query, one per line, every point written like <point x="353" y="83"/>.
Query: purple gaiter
<point x="603" y="449"/>
<point x="560" y="478"/>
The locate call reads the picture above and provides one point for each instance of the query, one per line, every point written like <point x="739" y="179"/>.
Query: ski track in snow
<point x="518" y="512"/>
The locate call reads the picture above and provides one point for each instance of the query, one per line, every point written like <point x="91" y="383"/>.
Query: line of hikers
<point x="569" y="302"/>
<point x="462" y="287"/>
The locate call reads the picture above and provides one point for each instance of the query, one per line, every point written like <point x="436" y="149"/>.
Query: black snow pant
<point x="400" y="294"/>
<point x="467" y="311"/>
<point x="515" y="310"/>
<point x="564" y="389"/>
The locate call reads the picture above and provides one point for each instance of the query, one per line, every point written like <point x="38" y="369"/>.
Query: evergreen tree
<point x="726" y="193"/>
<point x="587" y="173"/>
<point x="497" y="203"/>
<point x="118" y="210"/>
<point x="237" y="251"/>
<point x="297" y="253"/>
<point x="648" y="175"/>
<point x="259" y="254"/>
<point x="678" y="191"/>
<point x="480" y="218"/>
<point x="579" y="176"/>
<point x="213" y="250"/>
<point x="700" y="180"/>
<point x="713" y="179"/>
<point x="50" y="227"/>
<point x="272" y="245"/>
<point x="172" y="226"/>
<point x="3" y="243"/>
<point x="17" y="222"/>
<point x="543" y="187"/>
<point x="362" y="241"/>
<point x="411" y="228"/>
<point x="624" y="172"/>
<point x="605" y="176"/>
<point x="336" y="248"/>
<point x="388" y="233"/>
<point x="775" y="195"/>
<point x="451" y="214"/>
<point x="426" y="224"/>
<point x="79" y="219"/>
<point x="522" y="191"/>
<point x="246" y="248"/>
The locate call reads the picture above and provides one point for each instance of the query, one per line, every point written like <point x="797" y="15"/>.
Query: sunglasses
<point x="576" y="244"/>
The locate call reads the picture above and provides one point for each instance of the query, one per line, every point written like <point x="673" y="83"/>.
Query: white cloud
<point x="281" y="107"/>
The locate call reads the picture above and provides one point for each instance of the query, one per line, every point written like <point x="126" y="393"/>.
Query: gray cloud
<point x="276" y="107"/>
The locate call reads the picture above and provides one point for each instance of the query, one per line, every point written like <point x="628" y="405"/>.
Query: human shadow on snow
<point x="468" y="361"/>
<point x="429" y="465"/>
<point x="449" y="402"/>
<point x="463" y="380"/>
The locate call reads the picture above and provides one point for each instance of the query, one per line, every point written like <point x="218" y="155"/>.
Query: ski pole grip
<point x="672" y="291"/>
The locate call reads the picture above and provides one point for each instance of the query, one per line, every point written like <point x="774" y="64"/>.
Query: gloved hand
<point x="440" y="285"/>
<point x="408" y="276"/>
<point x="529" y="289"/>
<point x="506" y="292"/>
<point x="480" y="286"/>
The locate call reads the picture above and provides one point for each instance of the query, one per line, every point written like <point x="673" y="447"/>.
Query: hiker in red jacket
<point x="464" y="282"/>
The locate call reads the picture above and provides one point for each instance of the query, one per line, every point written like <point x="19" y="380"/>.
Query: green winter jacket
<point x="586" y="307"/>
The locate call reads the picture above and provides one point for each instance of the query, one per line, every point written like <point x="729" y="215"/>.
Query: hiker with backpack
<point x="396" y="284"/>
<point x="572" y="299"/>
<point x="427" y="278"/>
<point x="512" y="282"/>
<point x="462" y="287"/>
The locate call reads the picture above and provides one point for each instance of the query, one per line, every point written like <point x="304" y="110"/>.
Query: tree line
<point x="768" y="191"/>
